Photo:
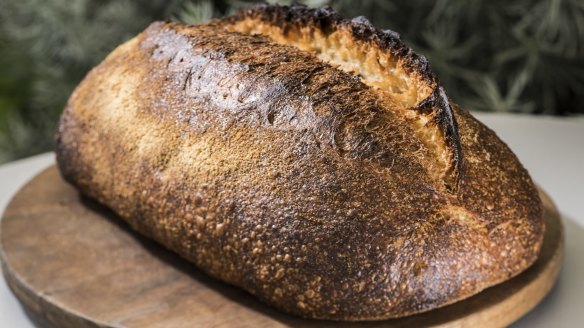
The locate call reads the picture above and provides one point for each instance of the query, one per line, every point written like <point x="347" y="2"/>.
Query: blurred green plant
<point x="46" y="47"/>
<point x="508" y="56"/>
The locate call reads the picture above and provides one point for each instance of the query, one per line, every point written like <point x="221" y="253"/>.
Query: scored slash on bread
<point x="313" y="161"/>
<point x="379" y="59"/>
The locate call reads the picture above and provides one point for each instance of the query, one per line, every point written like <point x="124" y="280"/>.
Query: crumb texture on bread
<point x="331" y="184"/>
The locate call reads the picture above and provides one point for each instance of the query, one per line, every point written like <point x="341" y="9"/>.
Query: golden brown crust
<point x="279" y="173"/>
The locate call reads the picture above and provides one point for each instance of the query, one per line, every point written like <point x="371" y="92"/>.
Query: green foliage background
<point x="492" y="55"/>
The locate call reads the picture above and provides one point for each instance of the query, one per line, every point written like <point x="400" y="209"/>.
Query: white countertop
<point x="552" y="149"/>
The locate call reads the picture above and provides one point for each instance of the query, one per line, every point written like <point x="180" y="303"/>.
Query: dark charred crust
<point x="327" y="20"/>
<point x="438" y="106"/>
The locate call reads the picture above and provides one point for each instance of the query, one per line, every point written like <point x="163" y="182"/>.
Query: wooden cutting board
<point x="73" y="263"/>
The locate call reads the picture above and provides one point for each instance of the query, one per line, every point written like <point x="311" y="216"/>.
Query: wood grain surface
<point x="73" y="263"/>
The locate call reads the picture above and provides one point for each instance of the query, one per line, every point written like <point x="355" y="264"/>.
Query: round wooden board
<point x="73" y="263"/>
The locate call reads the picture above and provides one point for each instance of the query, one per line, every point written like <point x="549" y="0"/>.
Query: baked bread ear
<point x="313" y="161"/>
<point x="381" y="61"/>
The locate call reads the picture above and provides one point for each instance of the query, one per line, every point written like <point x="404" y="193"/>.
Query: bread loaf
<point x="313" y="161"/>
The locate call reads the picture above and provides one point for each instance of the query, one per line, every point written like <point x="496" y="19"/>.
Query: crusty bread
<point x="320" y="165"/>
